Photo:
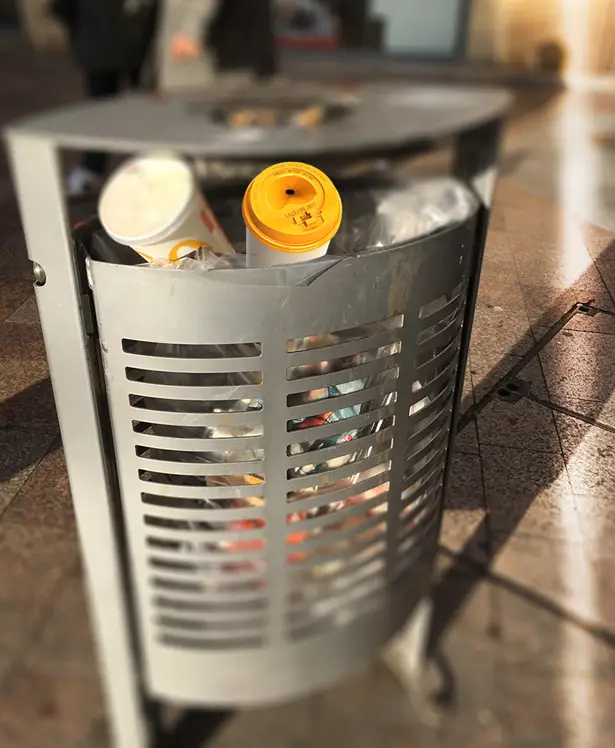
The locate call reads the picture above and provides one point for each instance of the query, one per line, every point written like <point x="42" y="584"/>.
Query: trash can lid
<point x="292" y="207"/>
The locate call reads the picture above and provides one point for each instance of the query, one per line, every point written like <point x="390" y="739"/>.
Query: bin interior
<point x="376" y="215"/>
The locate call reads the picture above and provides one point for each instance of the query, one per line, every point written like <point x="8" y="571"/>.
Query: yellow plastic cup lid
<point x="292" y="207"/>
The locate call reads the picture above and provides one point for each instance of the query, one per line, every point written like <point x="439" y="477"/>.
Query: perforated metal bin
<point x="191" y="605"/>
<point x="238" y="616"/>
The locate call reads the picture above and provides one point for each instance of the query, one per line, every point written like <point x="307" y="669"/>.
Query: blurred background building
<point x="549" y="36"/>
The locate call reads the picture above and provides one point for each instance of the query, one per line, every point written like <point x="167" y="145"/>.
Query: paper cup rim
<point x="146" y="240"/>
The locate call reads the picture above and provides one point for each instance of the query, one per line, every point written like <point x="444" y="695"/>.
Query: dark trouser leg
<point x="100" y="85"/>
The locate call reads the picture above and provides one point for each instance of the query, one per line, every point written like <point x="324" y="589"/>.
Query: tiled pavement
<point x="524" y="595"/>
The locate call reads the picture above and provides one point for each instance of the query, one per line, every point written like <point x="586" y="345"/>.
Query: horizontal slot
<point x="238" y="431"/>
<point x="207" y="595"/>
<point x="416" y="540"/>
<point x="179" y="642"/>
<point x="214" y="580"/>
<point x="334" y="392"/>
<point x="206" y="493"/>
<point x="209" y="481"/>
<point x="223" y="546"/>
<point x="416" y="455"/>
<point x="331" y="441"/>
<point x="440" y="303"/>
<point x="340" y="553"/>
<point x="212" y="530"/>
<point x="420" y="441"/>
<point x="420" y="479"/>
<point x="164" y="405"/>
<point x="330" y="569"/>
<point x="308" y="602"/>
<point x="161" y="582"/>
<point x="342" y="362"/>
<point x="426" y="404"/>
<point x="188" y="624"/>
<point x="367" y="372"/>
<point x="301" y="455"/>
<point x="428" y="491"/>
<point x="192" y="393"/>
<point x="439" y="368"/>
<point x="355" y="406"/>
<point x="435" y="454"/>
<point x="210" y="609"/>
<point x="445" y="368"/>
<point x="365" y="423"/>
<point x="194" y="379"/>
<point x="332" y="540"/>
<point x="345" y="617"/>
<point x="209" y="505"/>
<point x="176" y="585"/>
<point x="373" y="483"/>
<point x="342" y="406"/>
<point x="189" y="350"/>
<point x="339" y="517"/>
<point x="335" y="572"/>
<point x="223" y="511"/>
<point x="204" y="569"/>
<point x="451" y="322"/>
<point x="307" y="475"/>
<point x="411" y="514"/>
<point x="225" y="472"/>
<point x="328" y="339"/>
<point x="206" y="425"/>
<point x="225" y="458"/>
<point x="356" y="480"/>
<point x="208" y="446"/>
<point x="438" y="404"/>
<point x="239" y="527"/>
<point x="347" y="519"/>
<point x="209" y="578"/>
<point x="328" y="475"/>
<point x="219" y="565"/>
<point x="420" y="517"/>
<point x="432" y="353"/>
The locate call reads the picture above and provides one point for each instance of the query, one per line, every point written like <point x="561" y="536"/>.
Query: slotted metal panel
<point x="281" y="453"/>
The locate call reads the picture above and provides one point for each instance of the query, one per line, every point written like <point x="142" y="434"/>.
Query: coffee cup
<point x="291" y="211"/>
<point x="153" y="204"/>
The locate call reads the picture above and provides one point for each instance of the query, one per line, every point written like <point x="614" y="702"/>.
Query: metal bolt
<point x="40" y="277"/>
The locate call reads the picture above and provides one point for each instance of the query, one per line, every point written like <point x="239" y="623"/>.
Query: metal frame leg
<point x="59" y="295"/>
<point x="475" y="164"/>
<point x="406" y="656"/>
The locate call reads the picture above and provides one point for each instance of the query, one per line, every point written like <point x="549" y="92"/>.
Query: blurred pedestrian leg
<point x="111" y="41"/>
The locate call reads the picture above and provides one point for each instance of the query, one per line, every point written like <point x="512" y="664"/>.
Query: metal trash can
<point x="244" y="603"/>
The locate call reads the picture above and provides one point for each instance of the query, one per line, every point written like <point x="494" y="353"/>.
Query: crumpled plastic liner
<point x="390" y="215"/>
<point x="202" y="261"/>
<point x="373" y="218"/>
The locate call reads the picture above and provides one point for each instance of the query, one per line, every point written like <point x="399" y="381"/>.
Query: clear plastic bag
<point x="386" y="216"/>
<point x="202" y="260"/>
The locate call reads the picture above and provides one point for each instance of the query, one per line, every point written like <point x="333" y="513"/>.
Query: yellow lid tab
<point x="292" y="207"/>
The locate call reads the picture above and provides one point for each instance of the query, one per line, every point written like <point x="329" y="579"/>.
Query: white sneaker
<point x="83" y="182"/>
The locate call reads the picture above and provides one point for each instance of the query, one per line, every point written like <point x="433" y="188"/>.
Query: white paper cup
<point x="291" y="211"/>
<point x="259" y="255"/>
<point x="153" y="204"/>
